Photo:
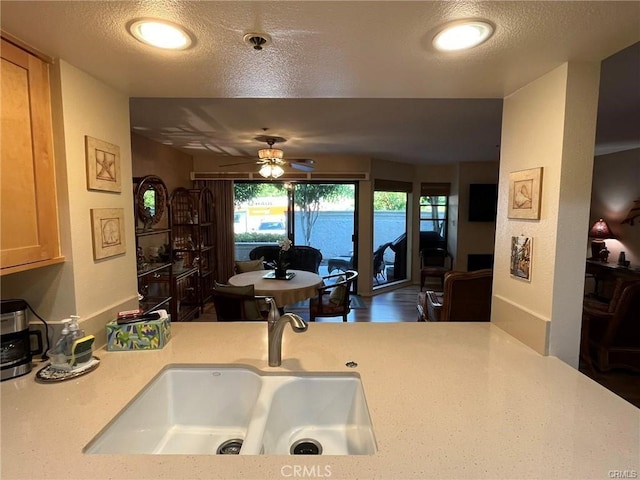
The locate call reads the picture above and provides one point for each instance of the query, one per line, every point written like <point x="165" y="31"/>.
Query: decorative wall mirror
<point x="151" y="202"/>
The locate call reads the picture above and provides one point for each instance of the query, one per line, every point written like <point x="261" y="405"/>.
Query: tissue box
<point x="145" y="335"/>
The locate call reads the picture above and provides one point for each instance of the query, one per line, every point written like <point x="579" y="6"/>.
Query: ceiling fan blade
<point x="302" y="166"/>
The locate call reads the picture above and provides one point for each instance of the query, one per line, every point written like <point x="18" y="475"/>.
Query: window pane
<point x="432" y="226"/>
<point x="260" y="216"/>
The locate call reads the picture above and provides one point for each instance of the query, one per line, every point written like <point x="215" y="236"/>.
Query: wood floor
<point x="400" y="306"/>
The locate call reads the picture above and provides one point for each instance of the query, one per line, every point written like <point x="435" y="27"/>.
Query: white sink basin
<point x="330" y="411"/>
<point x="200" y="410"/>
<point x="184" y="410"/>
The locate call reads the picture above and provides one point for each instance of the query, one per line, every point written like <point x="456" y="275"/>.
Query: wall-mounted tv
<point x="483" y="202"/>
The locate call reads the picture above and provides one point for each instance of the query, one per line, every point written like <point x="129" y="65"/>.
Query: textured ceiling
<point x="339" y="77"/>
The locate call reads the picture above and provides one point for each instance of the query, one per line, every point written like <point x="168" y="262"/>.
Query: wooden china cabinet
<point x="193" y="236"/>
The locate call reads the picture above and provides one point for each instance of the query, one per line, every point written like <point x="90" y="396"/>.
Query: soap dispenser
<point x="75" y="332"/>
<point x="58" y="353"/>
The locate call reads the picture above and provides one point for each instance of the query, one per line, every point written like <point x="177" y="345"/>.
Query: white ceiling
<point x="353" y="77"/>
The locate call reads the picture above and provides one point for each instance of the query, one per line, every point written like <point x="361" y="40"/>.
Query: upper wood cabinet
<point x="29" y="235"/>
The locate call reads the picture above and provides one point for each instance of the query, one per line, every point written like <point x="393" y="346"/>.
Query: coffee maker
<point x="15" y="351"/>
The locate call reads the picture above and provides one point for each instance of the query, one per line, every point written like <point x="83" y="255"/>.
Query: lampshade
<point x="270" y="154"/>
<point x="600" y="229"/>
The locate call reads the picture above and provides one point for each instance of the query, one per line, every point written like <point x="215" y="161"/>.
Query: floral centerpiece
<point x="282" y="262"/>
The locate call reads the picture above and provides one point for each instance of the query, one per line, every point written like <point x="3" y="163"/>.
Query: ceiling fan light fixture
<point x="462" y="35"/>
<point x="271" y="170"/>
<point x="160" y="34"/>
<point x="270" y="154"/>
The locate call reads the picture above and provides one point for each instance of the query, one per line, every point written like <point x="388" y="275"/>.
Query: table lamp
<point x="599" y="232"/>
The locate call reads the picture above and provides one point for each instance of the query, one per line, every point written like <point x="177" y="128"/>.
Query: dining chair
<point x="333" y="298"/>
<point x="236" y="303"/>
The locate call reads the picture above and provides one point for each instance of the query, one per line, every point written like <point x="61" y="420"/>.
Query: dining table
<point x="300" y="286"/>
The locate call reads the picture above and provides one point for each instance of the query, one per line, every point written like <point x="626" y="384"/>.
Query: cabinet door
<point x="29" y="233"/>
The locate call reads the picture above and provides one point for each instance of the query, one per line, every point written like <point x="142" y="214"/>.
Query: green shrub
<point x="258" y="237"/>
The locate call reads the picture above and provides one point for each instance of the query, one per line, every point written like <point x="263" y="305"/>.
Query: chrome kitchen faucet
<point x="275" y="325"/>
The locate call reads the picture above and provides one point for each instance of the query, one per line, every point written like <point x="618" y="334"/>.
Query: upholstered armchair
<point x="466" y="297"/>
<point x="612" y="336"/>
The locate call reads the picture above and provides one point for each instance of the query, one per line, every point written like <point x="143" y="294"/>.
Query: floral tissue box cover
<point x="145" y="335"/>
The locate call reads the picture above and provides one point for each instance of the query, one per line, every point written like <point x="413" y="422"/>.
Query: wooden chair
<point x="613" y="337"/>
<point x="434" y="262"/>
<point x="333" y="298"/>
<point x="466" y="297"/>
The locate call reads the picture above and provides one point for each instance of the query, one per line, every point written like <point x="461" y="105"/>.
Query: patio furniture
<point x="340" y="263"/>
<point x="466" y="297"/>
<point x="306" y="258"/>
<point x="378" y="262"/>
<point x="333" y="298"/>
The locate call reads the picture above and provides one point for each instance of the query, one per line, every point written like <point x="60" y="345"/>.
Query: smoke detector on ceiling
<point x="257" y="40"/>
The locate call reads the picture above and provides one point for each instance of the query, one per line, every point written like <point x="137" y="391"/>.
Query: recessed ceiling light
<point x="161" y="34"/>
<point x="462" y="34"/>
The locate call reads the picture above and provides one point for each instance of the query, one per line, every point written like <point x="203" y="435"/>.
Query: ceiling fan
<point x="271" y="160"/>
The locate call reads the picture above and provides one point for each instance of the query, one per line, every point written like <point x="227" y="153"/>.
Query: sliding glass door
<point x="324" y="218"/>
<point x="320" y="215"/>
<point x="389" y="233"/>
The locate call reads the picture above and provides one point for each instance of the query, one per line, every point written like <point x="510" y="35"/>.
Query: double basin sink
<point x="208" y="410"/>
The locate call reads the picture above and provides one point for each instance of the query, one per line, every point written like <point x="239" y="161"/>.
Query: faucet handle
<point x="274" y="313"/>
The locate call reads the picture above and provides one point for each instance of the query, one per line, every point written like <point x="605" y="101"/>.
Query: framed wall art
<point x="107" y="227"/>
<point x="103" y="165"/>
<point x="521" y="249"/>
<point x="525" y="188"/>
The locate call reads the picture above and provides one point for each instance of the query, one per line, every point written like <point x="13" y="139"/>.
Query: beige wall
<point x="473" y="237"/>
<point x="549" y="123"/>
<point x="94" y="290"/>
<point x="153" y="158"/>
<point x="616" y="184"/>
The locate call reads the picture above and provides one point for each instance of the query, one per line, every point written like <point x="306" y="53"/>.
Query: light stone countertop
<point x="447" y="400"/>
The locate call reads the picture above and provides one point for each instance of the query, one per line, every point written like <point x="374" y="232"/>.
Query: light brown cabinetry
<point x="29" y="222"/>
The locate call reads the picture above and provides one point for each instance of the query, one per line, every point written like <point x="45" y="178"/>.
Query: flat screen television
<point x="483" y="202"/>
